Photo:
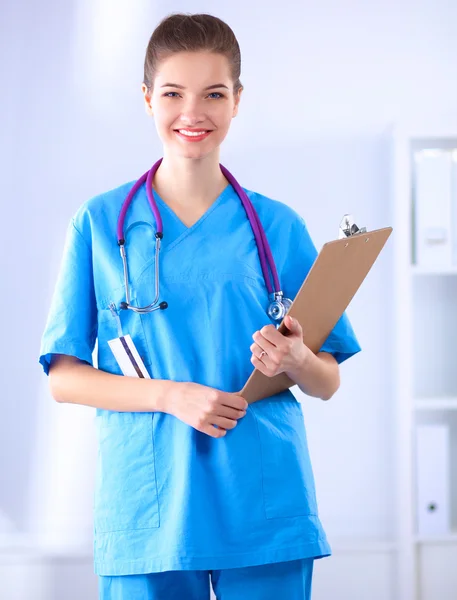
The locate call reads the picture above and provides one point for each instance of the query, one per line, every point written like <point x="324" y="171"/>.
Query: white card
<point x="127" y="357"/>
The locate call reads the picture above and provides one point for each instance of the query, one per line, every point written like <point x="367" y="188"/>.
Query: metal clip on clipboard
<point x="348" y="228"/>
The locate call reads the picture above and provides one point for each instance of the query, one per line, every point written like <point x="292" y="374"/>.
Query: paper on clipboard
<point x="329" y="287"/>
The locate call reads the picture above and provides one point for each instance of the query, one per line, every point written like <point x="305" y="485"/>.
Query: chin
<point x="193" y="153"/>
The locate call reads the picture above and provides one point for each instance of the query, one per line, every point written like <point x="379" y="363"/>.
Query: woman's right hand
<point x="203" y="407"/>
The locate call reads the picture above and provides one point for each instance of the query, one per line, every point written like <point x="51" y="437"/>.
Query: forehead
<point x="193" y="69"/>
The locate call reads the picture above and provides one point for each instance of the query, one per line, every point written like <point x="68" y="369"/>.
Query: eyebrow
<point x="181" y="87"/>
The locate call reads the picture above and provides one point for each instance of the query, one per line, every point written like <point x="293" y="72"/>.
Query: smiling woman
<point x="192" y="85"/>
<point x="192" y="120"/>
<point x="193" y="484"/>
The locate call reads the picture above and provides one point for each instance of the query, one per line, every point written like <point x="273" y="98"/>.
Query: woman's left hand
<point x="274" y="353"/>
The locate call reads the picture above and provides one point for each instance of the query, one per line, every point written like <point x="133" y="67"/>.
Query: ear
<point x="237" y="102"/>
<point x="147" y="100"/>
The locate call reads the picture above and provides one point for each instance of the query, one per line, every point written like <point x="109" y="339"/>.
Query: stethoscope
<point x="278" y="304"/>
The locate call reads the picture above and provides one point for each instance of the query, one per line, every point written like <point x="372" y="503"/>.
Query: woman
<point x="193" y="484"/>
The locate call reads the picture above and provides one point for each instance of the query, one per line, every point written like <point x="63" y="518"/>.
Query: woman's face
<point x="192" y="91"/>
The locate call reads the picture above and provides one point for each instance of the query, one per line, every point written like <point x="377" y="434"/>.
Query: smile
<point x="192" y="135"/>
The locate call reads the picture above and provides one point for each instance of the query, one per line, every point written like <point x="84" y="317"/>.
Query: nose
<point x="193" y="112"/>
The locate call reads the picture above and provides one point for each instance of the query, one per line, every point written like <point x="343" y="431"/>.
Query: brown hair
<point x="181" y="32"/>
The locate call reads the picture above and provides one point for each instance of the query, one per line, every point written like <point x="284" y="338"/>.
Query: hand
<point x="274" y="353"/>
<point x="203" y="407"/>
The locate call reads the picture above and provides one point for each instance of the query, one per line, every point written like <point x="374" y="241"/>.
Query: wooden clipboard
<point x="329" y="287"/>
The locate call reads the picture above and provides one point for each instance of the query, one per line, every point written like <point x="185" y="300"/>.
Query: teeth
<point x="191" y="133"/>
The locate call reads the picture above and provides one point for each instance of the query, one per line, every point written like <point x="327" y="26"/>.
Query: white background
<point x="323" y="82"/>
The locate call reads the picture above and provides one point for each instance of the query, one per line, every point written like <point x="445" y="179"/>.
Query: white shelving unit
<point x="425" y="383"/>
<point x="438" y="403"/>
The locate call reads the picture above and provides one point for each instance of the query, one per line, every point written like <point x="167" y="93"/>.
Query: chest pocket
<point x="108" y="329"/>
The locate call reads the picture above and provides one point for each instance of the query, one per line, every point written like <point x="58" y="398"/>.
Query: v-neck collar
<point x="188" y="230"/>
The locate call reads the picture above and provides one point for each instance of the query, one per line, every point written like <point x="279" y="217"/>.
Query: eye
<point x="167" y="95"/>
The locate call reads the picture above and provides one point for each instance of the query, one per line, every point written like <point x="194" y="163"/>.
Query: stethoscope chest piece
<point x="278" y="307"/>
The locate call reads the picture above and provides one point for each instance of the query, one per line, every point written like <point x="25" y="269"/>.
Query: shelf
<point x="424" y="373"/>
<point x="448" y="538"/>
<point x="438" y="403"/>
<point x="417" y="270"/>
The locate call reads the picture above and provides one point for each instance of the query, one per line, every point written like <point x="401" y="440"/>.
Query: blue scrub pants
<point x="290" y="580"/>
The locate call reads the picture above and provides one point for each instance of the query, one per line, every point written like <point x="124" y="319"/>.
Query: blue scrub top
<point x="169" y="497"/>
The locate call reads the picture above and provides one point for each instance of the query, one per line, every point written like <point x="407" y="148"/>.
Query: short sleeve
<point x="341" y="342"/>
<point x="71" y="326"/>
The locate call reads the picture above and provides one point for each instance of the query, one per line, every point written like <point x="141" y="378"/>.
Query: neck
<point x="186" y="181"/>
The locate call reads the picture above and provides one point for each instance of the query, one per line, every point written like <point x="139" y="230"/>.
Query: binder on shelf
<point x="433" y="211"/>
<point x="432" y="479"/>
<point x="454" y="207"/>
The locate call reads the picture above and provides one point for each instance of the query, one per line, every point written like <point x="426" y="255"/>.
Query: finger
<point x="270" y="333"/>
<point x="262" y="341"/>
<point x="213" y="431"/>
<point x="293" y="325"/>
<point x="234" y="401"/>
<point x="267" y="360"/>
<point x="223" y="422"/>
<point x="230" y="413"/>
<point x="260" y="366"/>
<point x="255" y="349"/>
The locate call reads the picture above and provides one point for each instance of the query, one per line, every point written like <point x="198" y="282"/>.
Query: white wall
<point x="322" y="82"/>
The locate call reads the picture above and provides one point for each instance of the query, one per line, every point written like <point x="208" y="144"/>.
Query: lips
<point x="192" y="130"/>
<point x="193" y="138"/>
